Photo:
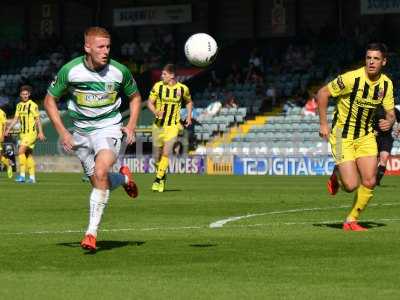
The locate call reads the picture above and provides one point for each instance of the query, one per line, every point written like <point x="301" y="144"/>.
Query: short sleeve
<point x="60" y="83"/>
<point x="154" y="93"/>
<point x="388" y="100"/>
<point x="3" y="119"/>
<point x="35" y="111"/>
<point x="17" y="111"/>
<point x="128" y="83"/>
<point x="341" y="85"/>
<point x="186" y="95"/>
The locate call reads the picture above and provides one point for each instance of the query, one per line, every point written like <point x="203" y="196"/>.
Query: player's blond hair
<point x="96" y="31"/>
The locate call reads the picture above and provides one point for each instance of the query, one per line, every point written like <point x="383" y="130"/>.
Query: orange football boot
<point x="333" y="184"/>
<point x="353" y="226"/>
<point x="130" y="188"/>
<point x="89" y="242"/>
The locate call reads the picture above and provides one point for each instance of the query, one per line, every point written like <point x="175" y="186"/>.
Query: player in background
<point x="165" y="100"/>
<point x="352" y="139"/>
<point x="385" y="140"/>
<point x="3" y="159"/>
<point x="27" y="114"/>
<point x="94" y="83"/>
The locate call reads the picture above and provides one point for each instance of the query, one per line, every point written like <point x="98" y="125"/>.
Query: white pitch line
<point x="313" y="222"/>
<point x="221" y="223"/>
<point x="43" y="232"/>
<point x="48" y="232"/>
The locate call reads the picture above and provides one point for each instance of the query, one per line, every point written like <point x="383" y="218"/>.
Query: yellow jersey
<point x="169" y="99"/>
<point x="3" y="121"/>
<point x="27" y="112"/>
<point x="357" y="99"/>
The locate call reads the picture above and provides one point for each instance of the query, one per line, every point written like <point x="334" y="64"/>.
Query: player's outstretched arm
<point x="135" y="102"/>
<point x="54" y="115"/>
<point x="322" y="99"/>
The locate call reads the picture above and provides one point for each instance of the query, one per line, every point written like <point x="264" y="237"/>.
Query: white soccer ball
<point x="201" y="49"/>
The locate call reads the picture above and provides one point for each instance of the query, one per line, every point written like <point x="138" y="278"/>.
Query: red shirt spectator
<point x="310" y="108"/>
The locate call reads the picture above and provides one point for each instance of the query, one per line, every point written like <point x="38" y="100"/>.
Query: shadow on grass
<point x="172" y="190"/>
<point x="365" y="224"/>
<point x="104" y="245"/>
<point x="202" y="245"/>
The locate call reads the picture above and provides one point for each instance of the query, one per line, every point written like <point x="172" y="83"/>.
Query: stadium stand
<point x="258" y="85"/>
<point x="288" y="133"/>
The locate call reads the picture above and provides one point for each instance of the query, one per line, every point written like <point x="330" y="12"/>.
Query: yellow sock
<point x="162" y="167"/>
<point x="5" y="161"/>
<point x="22" y="164"/>
<point x="361" y="199"/>
<point x="30" y="164"/>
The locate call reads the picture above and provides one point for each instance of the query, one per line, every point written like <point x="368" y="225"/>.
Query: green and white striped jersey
<point x="94" y="97"/>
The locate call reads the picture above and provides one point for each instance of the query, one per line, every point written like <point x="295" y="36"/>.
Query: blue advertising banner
<point x="322" y="165"/>
<point x="177" y="165"/>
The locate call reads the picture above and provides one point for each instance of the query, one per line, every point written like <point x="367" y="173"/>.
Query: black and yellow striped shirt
<point x="3" y="121"/>
<point x="169" y="99"/>
<point x="27" y="112"/>
<point x="358" y="97"/>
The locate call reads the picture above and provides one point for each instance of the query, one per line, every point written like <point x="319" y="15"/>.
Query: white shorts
<point x="87" y="145"/>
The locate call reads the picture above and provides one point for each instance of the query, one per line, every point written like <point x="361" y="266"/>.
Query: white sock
<point x="98" y="201"/>
<point x="32" y="177"/>
<point x="22" y="174"/>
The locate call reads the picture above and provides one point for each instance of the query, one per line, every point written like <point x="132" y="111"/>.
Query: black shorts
<point x="385" y="142"/>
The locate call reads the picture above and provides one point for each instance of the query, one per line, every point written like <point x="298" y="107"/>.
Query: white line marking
<point x="313" y="222"/>
<point x="43" y="232"/>
<point x="48" y="232"/>
<point x="221" y="223"/>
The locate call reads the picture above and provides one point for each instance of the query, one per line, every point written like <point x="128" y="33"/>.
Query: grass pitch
<point x="286" y="242"/>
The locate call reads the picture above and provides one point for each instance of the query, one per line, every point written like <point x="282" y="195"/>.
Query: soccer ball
<point x="201" y="49"/>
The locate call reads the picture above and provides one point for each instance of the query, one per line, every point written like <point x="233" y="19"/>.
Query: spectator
<point x="296" y="101"/>
<point x="269" y="99"/>
<point x="311" y="106"/>
<point x="231" y="102"/>
<point x="211" y="110"/>
<point x="236" y="74"/>
<point x="256" y="60"/>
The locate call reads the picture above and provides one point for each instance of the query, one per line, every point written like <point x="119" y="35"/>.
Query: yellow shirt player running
<point x="4" y="160"/>
<point x="27" y="113"/>
<point x="165" y="101"/>
<point x="352" y="137"/>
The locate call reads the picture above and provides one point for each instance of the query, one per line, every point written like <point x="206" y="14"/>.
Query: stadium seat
<point x="232" y="111"/>
<point x="223" y="111"/>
